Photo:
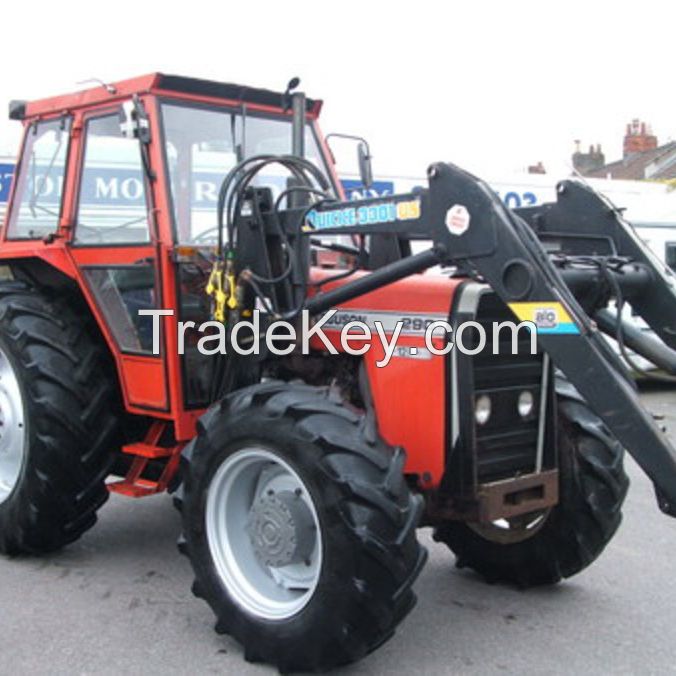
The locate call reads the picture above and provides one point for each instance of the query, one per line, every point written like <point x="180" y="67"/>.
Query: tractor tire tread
<point x="375" y="510"/>
<point x="72" y="415"/>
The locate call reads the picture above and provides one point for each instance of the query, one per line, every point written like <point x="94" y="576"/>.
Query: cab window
<point x="37" y="203"/>
<point x="121" y="291"/>
<point x="112" y="207"/>
<point x="202" y="145"/>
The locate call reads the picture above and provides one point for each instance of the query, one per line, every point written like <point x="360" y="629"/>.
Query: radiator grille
<point x="506" y="445"/>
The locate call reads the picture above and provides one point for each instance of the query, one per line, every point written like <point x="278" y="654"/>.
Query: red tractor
<point x="151" y="218"/>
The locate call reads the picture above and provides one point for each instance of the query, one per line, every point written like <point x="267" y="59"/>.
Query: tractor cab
<point x="117" y="188"/>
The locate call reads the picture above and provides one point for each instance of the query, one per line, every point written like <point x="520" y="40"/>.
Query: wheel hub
<point x="281" y="529"/>
<point x="264" y="533"/>
<point x="514" y="530"/>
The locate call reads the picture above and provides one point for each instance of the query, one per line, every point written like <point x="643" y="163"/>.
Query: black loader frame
<point x="573" y="254"/>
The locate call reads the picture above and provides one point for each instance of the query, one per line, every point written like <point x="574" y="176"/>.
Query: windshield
<point x="204" y="144"/>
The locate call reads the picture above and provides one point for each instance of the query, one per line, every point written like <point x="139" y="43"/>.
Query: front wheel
<point x="299" y="526"/>
<point x="546" y="546"/>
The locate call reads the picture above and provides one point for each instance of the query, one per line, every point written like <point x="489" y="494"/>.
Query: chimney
<point x="639" y="138"/>
<point x="586" y="163"/>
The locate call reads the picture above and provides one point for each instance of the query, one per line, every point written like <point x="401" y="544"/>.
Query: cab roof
<point x="159" y="84"/>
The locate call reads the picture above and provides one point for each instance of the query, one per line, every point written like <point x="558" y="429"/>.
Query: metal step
<point x="139" y="489"/>
<point x="134" y="485"/>
<point x="145" y="450"/>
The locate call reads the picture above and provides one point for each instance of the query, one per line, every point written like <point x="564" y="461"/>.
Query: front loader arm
<point x="580" y="221"/>
<point x="470" y="226"/>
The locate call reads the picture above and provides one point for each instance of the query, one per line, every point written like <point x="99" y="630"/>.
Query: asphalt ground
<point x="119" y="602"/>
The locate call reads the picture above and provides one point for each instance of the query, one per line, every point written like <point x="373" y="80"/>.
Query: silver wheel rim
<point x="12" y="429"/>
<point x="263" y="534"/>
<point x="514" y="530"/>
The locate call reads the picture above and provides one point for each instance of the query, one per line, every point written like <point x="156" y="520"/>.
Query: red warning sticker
<point x="457" y="219"/>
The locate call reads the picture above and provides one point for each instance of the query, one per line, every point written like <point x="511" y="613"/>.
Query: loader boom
<point x="506" y="251"/>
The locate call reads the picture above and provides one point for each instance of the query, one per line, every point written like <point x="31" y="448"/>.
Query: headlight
<point x="482" y="409"/>
<point x="526" y="403"/>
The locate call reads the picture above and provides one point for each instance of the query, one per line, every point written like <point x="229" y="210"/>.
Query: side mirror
<point x="363" y="157"/>
<point x="127" y="119"/>
<point x="134" y="121"/>
<point x="365" y="167"/>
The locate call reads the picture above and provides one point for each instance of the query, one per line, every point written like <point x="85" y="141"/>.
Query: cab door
<point x="115" y="247"/>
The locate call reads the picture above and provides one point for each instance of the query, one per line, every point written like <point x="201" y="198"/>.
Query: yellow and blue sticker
<point x="371" y="214"/>
<point x="550" y="317"/>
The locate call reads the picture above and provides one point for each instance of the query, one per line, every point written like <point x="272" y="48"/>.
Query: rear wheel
<point x="57" y="422"/>
<point x="299" y="526"/>
<point x="546" y="546"/>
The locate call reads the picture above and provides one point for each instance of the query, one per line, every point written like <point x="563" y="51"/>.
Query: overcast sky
<point x="492" y="86"/>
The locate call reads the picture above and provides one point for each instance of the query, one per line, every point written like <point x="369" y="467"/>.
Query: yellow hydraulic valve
<point x="221" y="288"/>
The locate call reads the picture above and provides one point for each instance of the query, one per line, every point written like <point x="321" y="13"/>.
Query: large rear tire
<point x="546" y="547"/>
<point x="57" y="403"/>
<point x="299" y="526"/>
